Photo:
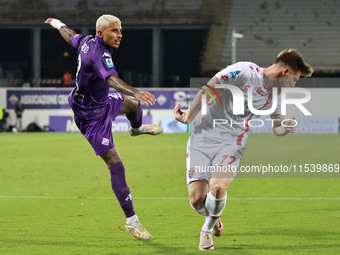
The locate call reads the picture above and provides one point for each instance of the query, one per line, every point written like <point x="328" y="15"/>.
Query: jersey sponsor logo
<point x="105" y="54"/>
<point x="109" y="62"/>
<point x="105" y="141"/>
<point x="234" y="74"/>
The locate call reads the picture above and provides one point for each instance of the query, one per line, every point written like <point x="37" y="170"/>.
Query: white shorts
<point x="222" y="161"/>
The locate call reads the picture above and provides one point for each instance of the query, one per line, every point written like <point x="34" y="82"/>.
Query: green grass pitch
<point x="55" y="198"/>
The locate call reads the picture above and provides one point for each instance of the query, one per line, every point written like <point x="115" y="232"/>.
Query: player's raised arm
<point x="66" y="32"/>
<point x="195" y="106"/>
<point x="143" y="96"/>
<point x="279" y="129"/>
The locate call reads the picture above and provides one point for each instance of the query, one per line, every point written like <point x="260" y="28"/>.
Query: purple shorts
<point x="99" y="131"/>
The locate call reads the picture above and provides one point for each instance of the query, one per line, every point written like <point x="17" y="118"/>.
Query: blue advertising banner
<point x="170" y="125"/>
<point x="38" y="98"/>
<point x="167" y="99"/>
<point x="57" y="98"/>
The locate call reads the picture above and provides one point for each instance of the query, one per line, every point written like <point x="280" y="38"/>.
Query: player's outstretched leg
<point x="206" y="241"/>
<point x="136" y="118"/>
<point x="218" y="228"/>
<point x="122" y="192"/>
<point x="214" y="208"/>
<point x="146" y="129"/>
<point x="136" y="229"/>
<point x="198" y="195"/>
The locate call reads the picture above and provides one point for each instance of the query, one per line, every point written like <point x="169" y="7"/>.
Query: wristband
<point x="57" y="24"/>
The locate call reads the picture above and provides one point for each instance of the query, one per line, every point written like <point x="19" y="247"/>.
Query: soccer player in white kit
<point x="215" y="146"/>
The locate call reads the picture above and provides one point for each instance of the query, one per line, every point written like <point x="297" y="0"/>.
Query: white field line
<point x="179" y="198"/>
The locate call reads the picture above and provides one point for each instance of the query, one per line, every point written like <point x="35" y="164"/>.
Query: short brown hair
<point x="294" y="59"/>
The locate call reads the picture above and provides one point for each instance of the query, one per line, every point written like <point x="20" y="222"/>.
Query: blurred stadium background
<point x="165" y="42"/>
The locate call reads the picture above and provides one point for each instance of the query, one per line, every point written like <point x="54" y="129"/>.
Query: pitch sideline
<point x="177" y="198"/>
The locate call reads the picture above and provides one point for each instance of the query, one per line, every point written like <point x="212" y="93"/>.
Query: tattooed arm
<point x="143" y="96"/>
<point x="66" y="32"/>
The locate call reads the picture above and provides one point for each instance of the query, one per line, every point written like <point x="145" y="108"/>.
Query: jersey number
<point x="79" y="65"/>
<point x="224" y="157"/>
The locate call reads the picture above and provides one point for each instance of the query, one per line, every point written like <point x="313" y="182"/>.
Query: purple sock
<point x="121" y="189"/>
<point x="135" y="118"/>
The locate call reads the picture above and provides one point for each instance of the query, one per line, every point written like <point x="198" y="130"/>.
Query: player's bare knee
<point x="197" y="201"/>
<point x="130" y="105"/>
<point x="111" y="157"/>
<point x="218" y="189"/>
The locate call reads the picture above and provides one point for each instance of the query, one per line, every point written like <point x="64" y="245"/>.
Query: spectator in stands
<point x="67" y="78"/>
<point x="26" y="84"/>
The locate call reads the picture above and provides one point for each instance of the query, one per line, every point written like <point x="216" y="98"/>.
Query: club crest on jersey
<point x="191" y="172"/>
<point x="105" y="141"/>
<point x="234" y="74"/>
<point x="109" y="62"/>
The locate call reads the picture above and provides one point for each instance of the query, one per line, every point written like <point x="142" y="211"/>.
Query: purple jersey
<point x="91" y="95"/>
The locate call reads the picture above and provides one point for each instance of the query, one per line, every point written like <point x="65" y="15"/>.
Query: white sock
<point x="131" y="219"/>
<point x="202" y="210"/>
<point x="215" y="208"/>
<point x="137" y="130"/>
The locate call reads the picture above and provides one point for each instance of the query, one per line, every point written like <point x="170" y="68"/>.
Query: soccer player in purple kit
<point x="95" y="108"/>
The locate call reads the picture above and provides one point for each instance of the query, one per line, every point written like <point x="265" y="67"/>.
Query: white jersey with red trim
<point x="207" y="131"/>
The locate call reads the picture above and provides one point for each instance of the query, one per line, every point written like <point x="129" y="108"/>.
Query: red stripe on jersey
<point x="240" y="137"/>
